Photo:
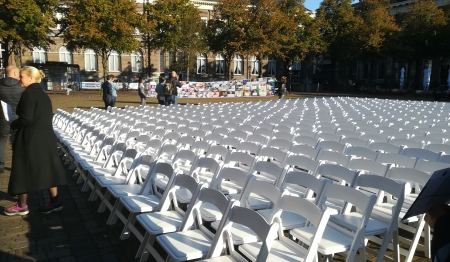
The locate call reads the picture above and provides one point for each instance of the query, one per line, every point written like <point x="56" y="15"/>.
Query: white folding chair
<point x="361" y="152"/>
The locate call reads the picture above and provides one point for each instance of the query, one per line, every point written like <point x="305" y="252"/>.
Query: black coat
<point x="35" y="162"/>
<point x="107" y="92"/>
<point x="10" y="92"/>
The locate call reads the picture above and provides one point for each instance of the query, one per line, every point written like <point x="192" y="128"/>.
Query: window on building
<point x="364" y="71"/>
<point x="255" y="66"/>
<point x="39" y="55"/>
<point x="220" y="65"/>
<point x="201" y="64"/>
<point x="90" y="60"/>
<point x="238" y="65"/>
<point x="65" y="55"/>
<point x="272" y="67"/>
<point x="162" y="61"/>
<point x="171" y="59"/>
<point x="114" y="60"/>
<point x="136" y="61"/>
<point x="296" y="65"/>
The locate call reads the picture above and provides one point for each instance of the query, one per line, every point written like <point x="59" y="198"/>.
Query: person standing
<point x="160" y="90"/>
<point x="282" y="89"/>
<point x="10" y="92"/>
<point x="141" y="91"/>
<point x="35" y="162"/>
<point x="114" y="89"/>
<point x="175" y="85"/>
<point x="107" y="91"/>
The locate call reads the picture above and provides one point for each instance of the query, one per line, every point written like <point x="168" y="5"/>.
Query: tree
<point x="102" y="25"/>
<point x="375" y="29"/>
<point x="26" y="24"/>
<point x="337" y="22"/>
<point x="176" y="26"/>
<point x="226" y="32"/>
<point x="420" y="35"/>
<point x="298" y="35"/>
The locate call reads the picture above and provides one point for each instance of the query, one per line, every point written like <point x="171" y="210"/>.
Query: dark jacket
<point x="107" y="91"/>
<point x="10" y="92"/>
<point x="35" y="162"/>
<point x="440" y="245"/>
<point x="175" y="84"/>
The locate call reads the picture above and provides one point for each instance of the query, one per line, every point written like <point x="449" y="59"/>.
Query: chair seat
<point x="124" y="190"/>
<point x="161" y="222"/>
<point x="110" y="180"/>
<point x="385" y="210"/>
<point x="102" y="171"/>
<point x="289" y="220"/>
<point x="219" y="259"/>
<point x="229" y="187"/>
<point x="332" y="240"/>
<point x="352" y="220"/>
<point x="278" y="252"/>
<point x="186" y="245"/>
<point x="240" y="234"/>
<point x="140" y="204"/>
<point x="87" y="165"/>
<point x="254" y="202"/>
<point x="84" y="157"/>
<point x="209" y="212"/>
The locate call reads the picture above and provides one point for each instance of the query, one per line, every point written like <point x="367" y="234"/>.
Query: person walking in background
<point x="282" y="89"/>
<point x="175" y="85"/>
<point x="141" y="91"/>
<point x="114" y="89"/>
<point x="107" y="91"/>
<point x="10" y="92"/>
<point x="159" y="90"/>
<point x="35" y="162"/>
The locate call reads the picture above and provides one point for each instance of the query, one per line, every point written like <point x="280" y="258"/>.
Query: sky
<point x="314" y="4"/>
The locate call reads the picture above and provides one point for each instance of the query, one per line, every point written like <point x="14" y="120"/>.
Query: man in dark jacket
<point x="107" y="91"/>
<point x="10" y="92"/>
<point x="175" y="85"/>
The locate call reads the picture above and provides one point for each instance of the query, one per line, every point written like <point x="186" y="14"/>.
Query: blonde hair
<point x="35" y="73"/>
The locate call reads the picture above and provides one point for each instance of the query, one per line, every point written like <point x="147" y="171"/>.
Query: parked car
<point x="442" y="91"/>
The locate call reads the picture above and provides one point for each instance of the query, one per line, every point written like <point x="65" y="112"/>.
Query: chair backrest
<point x="281" y="144"/>
<point x="237" y="176"/>
<point x="337" y="173"/>
<point x="313" y="214"/>
<point x="157" y="168"/>
<point x="219" y="153"/>
<point x="421" y="153"/>
<point x="214" y="139"/>
<point x="370" y="166"/>
<point x="385" y="147"/>
<point x="309" y="182"/>
<point x="354" y="142"/>
<point x="396" y="159"/>
<point x="243" y="216"/>
<point x="408" y="174"/>
<point x="304" y="150"/>
<point x="269" y="169"/>
<point x="405" y="142"/>
<point x="205" y="163"/>
<point x="374" y="138"/>
<point x="438" y="148"/>
<point x="258" y="139"/>
<point x="332" y="157"/>
<point x="248" y="147"/>
<point x="240" y="159"/>
<point x="387" y="185"/>
<point x="272" y="154"/>
<point x="200" y="147"/>
<point x="239" y="134"/>
<point x="284" y="135"/>
<point x="185" y="142"/>
<point x="328" y="137"/>
<point x="361" y="152"/>
<point x="306" y="140"/>
<point x="302" y="162"/>
<point x="263" y="132"/>
<point x="430" y="166"/>
<point x="262" y="188"/>
<point x="198" y="134"/>
<point x="331" y="146"/>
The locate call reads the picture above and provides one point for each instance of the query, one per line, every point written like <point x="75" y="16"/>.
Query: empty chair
<point x="284" y="135"/>
<point x="281" y="144"/>
<point x="246" y="128"/>
<point x="200" y="147"/>
<point x="263" y="132"/>
<point x="305" y="132"/>
<point x="257" y="139"/>
<point x="405" y="143"/>
<point x="249" y="148"/>
<point x="241" y="161"/>
<point x="218" y="153"/>
<point x="272" y="154"/>
<point x="396" y="160"/>
<point x="437" y="148"/>
<point x="430" y="166"/>
<point x="214" y="139"/>
<point x="221" y="130"/>
<point x="332" y="158"/>
<point x="197" y="134"/>
<point x="304" y="150"/>
<point x="361" y="152"/>
<point x="238" y="134"/>
<point x="374" y="138"/>
<point x="268" y="171"/>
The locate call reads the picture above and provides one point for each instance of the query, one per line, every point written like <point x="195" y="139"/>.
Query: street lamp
<point x="290" y="80"/>
<point x="248" y="73"/>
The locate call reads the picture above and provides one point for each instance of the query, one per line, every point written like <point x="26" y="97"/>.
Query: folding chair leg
<point x="102" y="206"/>
<point x="415" y="240"/>
<point x="396" y="247"/>
<point x="94" y="194"/>
<point x="125" y="232"/>
<point x="143" y="245"/>
<point x="112" y="219"/>
<point x="427" y="241"/>
<point x="384" y="245"/>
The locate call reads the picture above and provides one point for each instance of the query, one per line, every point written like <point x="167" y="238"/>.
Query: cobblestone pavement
<point x="76" y="233"/>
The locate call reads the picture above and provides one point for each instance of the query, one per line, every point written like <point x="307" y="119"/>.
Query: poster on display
<point x="91" y="85"/>
<point x="151" y="89"/>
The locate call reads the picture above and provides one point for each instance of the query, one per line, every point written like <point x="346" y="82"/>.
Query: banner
<point x="91" y="85"/>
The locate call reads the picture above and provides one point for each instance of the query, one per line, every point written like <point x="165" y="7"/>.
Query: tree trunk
<point x="419" y="76"/>
<point x="105" y="57"/>
<point x="17" y="50"/>
<point x="188" y="67"/>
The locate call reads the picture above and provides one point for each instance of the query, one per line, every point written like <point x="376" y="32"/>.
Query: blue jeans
<point x="169" y="100"/>
<point x="175" y="100"/>
<point x="113" y="101"/>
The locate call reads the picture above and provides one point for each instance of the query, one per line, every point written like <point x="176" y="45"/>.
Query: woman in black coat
<point x="35" y="162"/>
